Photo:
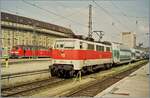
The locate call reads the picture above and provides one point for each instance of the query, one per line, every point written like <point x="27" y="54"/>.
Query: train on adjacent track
<point x="71" y="55"/>
<point x="22" y="51"/>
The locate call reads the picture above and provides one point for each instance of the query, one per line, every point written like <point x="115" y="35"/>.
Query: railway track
<point x="19" y="61"/>
<point x="21" y="74"/>
<point x="26" y="88"/>
<point x="93" y="88"/>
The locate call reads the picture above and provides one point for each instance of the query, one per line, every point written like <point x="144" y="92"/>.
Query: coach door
<point x="83" y="46"/>
<point x="116" y="52"/>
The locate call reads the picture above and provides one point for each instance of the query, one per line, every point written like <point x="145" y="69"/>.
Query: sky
<point x="110" y="16"/>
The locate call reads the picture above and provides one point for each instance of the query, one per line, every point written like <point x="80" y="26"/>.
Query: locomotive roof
<point x="104" y="42"/>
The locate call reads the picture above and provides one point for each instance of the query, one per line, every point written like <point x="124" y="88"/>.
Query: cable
<point x="110" y="15"/>
<point x="120" y="11"/>
<point x="75" y="12"/>
<point x="34" y="5"/>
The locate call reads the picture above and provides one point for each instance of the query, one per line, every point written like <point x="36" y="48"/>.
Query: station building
<point x="19" y="30"/>
<point x="129" y="39"/>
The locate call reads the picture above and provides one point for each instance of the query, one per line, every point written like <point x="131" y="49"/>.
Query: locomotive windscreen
<point x="64" y="44"/>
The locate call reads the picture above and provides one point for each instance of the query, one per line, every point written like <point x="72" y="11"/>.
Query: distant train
<point x="21" y="51"/>
<point x="69" y="56"/>
<point x="4" y="52"/>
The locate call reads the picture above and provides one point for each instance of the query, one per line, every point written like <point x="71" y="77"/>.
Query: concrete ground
<point x="16" y="61"/>
<point x="135" y="85"/>
<point x="26" y="66"/>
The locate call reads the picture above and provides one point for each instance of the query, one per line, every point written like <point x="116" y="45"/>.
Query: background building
<point x="18" y="30"/>
<point x="129" y="39"/>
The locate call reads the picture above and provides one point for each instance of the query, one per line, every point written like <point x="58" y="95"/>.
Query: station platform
<point x="26" y="66"/>
<point x="16" y="61"/>
<point x="135" y="85"/>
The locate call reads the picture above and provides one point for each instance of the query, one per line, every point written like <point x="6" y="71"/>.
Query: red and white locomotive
<point x="69" y="56"/>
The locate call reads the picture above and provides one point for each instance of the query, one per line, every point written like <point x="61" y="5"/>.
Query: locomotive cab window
<point x="64" y="44"/>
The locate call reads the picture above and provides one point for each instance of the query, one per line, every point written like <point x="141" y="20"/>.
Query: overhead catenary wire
<point x="113" y="25"/>
<point x="75" y="12"/>
<point x="51" y="12"/>
<point x="78" y="11"/>
<point x="108" y="13"/>
<point x="122" y="12"/>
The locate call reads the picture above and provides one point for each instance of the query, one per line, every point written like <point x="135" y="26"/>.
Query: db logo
<point x="62" y="53"/>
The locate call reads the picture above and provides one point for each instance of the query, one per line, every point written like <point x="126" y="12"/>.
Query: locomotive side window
<point x="99" y="48"/>
<point x="102" y="48"/>
<point x="107" y="48"/>
<point x="90" y="47"/>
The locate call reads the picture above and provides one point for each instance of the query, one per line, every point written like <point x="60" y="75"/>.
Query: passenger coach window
<point x="90" y="47"/>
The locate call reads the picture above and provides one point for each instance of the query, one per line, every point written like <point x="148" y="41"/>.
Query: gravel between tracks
<point x="30" y="87"/>
<point x="66" y="89"/>
<point x="99" y="85"/>
<point x="71" y="87"/>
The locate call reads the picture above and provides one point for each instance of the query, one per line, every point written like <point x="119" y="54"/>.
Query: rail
<point x="26" y="73"/>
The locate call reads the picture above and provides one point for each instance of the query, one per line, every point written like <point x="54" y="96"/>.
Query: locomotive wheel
<point x="90" y="69"/>
<point x="110" y="66"/>
<point x="53" y="73"/>
<point x="68" y="74"/>
<point x="83" y="71"/>
<point x="60" y="73"/>
<point x="72" y="73"/>
<point x="106" y="66"/>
